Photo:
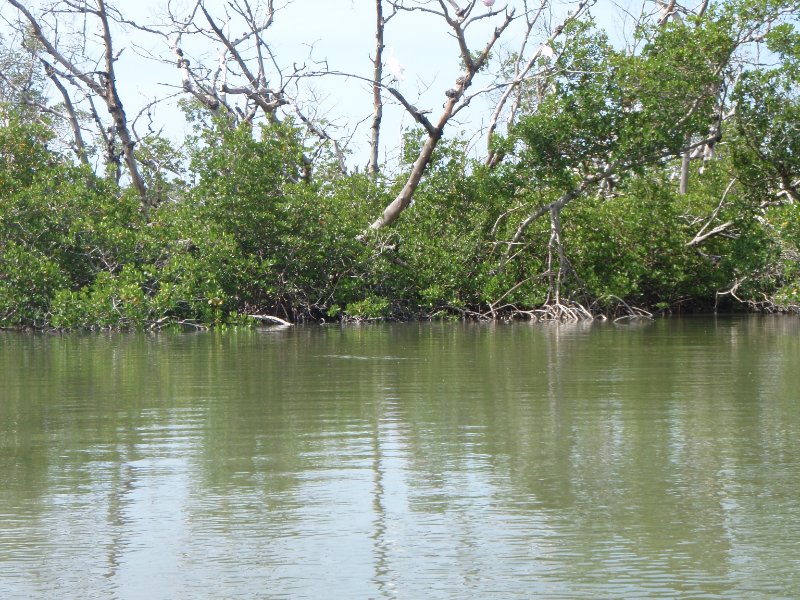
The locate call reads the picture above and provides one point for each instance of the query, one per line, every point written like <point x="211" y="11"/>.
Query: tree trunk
<point x="683" y="187"/>
<point x="117" y="111"/>
<point x="377" y="101"/>
<point x="555" y="277"/>
<point x="101" y="83"/>
<point x="455" y="102"/>
<point x="403" y="199"/>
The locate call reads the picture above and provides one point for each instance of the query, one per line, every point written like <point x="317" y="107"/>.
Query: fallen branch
<point x="271" y="319"/>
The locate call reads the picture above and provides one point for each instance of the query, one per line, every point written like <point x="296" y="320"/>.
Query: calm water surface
<point x="654" y="460"/>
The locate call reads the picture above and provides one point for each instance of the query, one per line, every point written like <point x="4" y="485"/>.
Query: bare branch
<point x="53" y="51"/>
<point x="80" y="146"/>
<point x="256" y="90"/>
<point x="115" y="108"/>
<point x="418" y="115"/>
<point x="190" y="82"/>
<point x="667" y="11"/>
<point x="455" y="95"/>
<point x="324" y="136"/>
<point x="522" y="74"/>
<point x="102" y="83"/>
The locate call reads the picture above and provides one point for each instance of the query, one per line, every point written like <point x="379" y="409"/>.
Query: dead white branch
<point x="703" y="235"/>
<point x="523" y="72"/>
<point x="102" y="83"/>
<point x="455" y="96"/>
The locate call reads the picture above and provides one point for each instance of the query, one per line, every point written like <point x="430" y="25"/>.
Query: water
<point x="647" y="460"/>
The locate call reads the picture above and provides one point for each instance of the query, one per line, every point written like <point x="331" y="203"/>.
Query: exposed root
<point x="557" y="312"/>
<point x="570" y="312"/>
<point x="620" y="310"/>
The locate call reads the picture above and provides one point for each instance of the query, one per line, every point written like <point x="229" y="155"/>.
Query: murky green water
<point x="404" y="461"/>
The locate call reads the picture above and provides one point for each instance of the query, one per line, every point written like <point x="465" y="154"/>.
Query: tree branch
<point x="104" y="86"/>
<point x="392" y="212"/>
<point x="492" y="157"/>
<point x="72" y="117"/>
<point x="418" y="115"/>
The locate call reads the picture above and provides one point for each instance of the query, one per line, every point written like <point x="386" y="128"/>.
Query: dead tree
<point x="101" y="82"/>
<point x="21" y="83"/>
<point x="524" y="71"/>
<point x="458" y="19"/>
<point x="377" y="88"/>
<point x="72" y="114"/>
<point x="246" y="82"/>
<point x="244" y="65"/>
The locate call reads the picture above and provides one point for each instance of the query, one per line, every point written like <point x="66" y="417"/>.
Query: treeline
<point x="657" y="177"/>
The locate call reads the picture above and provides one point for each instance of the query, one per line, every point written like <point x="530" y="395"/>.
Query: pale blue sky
<point x="342" y="32"/>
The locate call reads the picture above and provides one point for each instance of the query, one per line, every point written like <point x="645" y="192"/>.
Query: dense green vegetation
<point x="582" y="214"/>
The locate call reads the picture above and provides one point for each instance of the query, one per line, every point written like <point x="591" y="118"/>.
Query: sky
<point x="340" y="32"/>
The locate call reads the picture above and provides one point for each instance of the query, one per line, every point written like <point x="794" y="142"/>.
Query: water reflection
<point x="437" y="461"/>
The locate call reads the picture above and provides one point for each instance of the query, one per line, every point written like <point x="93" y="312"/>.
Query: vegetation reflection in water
<point x="437" y="461"/>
